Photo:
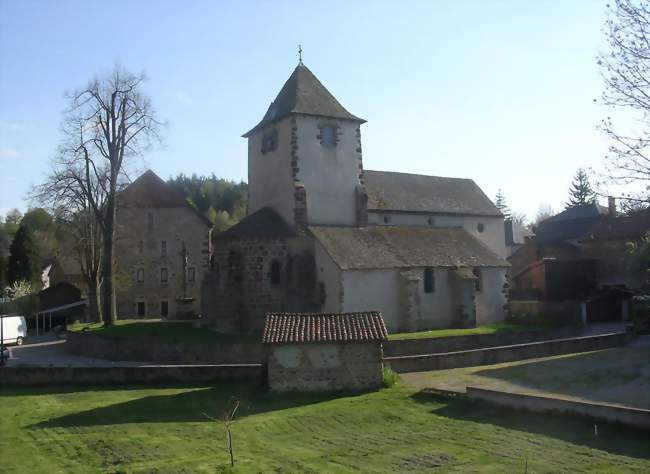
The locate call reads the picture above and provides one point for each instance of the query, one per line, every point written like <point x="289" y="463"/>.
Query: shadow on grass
<point x="191" y="405"/>
<point x="612" y="437"/>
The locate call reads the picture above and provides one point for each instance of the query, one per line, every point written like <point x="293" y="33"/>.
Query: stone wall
<point x="31" y="376"/>
<point x="562" y="312"/>
<point x="154" y="349"/>
<point x="438" y="345"/>
<point x="324" y="367"/>
<point x="497" y="355"/>
<point x="635" y="417"/>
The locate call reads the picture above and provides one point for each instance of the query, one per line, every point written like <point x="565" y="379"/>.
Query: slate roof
<point x="581" y="211"/>
<point x="264" y="222"/>
<point x="625" y="227"/>
<point x="296" y="328"/>
<point x="390" y="191"/>
<point x="383" y="247"/>
<point x="571" y="224"/>
<point x="303" y="93"/>
<point x="150" y="191"/>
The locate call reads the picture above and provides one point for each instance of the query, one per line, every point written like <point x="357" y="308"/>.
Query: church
<point x="323" y="234"/>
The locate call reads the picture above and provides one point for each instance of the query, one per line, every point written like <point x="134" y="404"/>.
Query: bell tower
<point x="304" y="157"/>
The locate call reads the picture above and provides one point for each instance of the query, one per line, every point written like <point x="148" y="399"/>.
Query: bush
<point x="391" y="378"/>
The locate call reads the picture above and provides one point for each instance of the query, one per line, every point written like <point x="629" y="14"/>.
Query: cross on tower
<point x="299" y="54"/>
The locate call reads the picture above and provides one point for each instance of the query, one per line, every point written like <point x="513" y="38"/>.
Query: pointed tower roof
<point x="303" y="93"/>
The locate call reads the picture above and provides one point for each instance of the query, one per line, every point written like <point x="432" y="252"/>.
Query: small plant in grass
<point x="391" y="378"/>
<point x="228" y="418"/>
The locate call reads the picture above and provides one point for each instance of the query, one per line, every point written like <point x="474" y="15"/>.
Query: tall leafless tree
<point x="108" y="122"/>
<point x="626" y="72"/>
<point x="64" y="193"/>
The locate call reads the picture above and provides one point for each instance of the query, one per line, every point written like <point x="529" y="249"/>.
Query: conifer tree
<point x="581" y="191"/>
<point x="23" y="257"/>
<point x="502" y="205"/>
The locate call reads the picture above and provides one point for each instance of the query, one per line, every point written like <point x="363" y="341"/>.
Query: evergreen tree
<point x="581" y="191"/>
<point x="23" y="257"/>
<point x="502" y="205"/>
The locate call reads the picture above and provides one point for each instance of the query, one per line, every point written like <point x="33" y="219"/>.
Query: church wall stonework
<point x="491" y="301"/>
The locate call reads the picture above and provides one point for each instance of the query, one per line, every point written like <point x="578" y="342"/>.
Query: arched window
<point x="275" y="273"/>
<point x="429" y="280"/>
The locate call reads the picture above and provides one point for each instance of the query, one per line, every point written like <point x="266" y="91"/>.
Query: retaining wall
<point x="405" y="347"/>
<point x="30" y="376"/>
<point x="496" y="355"/>
<point x="160" y="351"/>
<point x="636" y="417"/>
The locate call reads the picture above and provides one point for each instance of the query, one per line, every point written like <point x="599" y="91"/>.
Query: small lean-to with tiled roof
<point x="324" y="352"/>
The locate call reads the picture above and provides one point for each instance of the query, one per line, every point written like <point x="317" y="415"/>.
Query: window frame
<point x="163" y="247"/>
<point x="275" y="273"/>
<point x="139" y="275"/>
<point x="164" y="272"/>
<point x="429" y="280"/>
<point x="478" y="283"/>
<point x="191" y="274"/>
<point x="327" y="140"/>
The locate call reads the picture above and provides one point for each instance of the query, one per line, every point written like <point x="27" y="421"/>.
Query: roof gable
<point x="404" y="192"/>
<point x="294" y="328"/>
<point x="385" y="247"/>
<point x="303" y="93"/>
<point x="264" y="222"/>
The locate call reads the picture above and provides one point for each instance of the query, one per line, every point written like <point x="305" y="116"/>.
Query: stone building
<point x="162" y="251"/>
<point x="323" y="234"/>
<point x="316" y="352"/>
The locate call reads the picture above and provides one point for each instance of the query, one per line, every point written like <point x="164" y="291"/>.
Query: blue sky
<point x="497" y="91"/>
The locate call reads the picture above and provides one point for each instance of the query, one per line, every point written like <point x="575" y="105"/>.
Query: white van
<point x="14" y="329"/>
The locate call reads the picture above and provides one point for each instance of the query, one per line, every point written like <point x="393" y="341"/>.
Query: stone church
<point x="323" y="234"/>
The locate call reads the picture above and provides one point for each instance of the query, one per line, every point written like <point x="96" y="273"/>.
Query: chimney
<point x="611" y="205"/>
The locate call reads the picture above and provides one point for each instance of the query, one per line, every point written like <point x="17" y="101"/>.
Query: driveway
<point x="50" y="351"/>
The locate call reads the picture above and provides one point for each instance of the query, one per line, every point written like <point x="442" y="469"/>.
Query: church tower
<point x="304" y="157"/>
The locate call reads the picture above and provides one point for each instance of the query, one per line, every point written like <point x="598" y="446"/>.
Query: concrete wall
<point x="329" y="276"/>
<point x="497" y="355"/>
<point x="635" y="417"/>
<point x="324" y="367"/>
<point x="493" y="235"/>
<point x="491" y="301"/>
<point x="30" y="376"/>
<point x="330" y="174"/>
<point x="154" y="349"/>
<point x="134" y="233"/>
<point x="270" y="177"/>
<point x="438" y="345"/>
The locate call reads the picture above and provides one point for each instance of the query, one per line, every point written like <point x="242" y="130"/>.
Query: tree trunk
<point x="108" y="278"/>
<point x="94" y="311"/>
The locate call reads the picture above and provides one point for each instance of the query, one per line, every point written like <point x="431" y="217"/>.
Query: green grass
<point x="488" y="329"/>
<point x="164" y="430"/>
<point x="183" y="331"/>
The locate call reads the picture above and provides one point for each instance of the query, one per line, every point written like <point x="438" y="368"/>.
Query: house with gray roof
<point x="323" y="234"/>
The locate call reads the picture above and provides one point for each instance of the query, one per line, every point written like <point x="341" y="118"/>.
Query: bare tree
<point x="228" y="418"/>
<point x="626" y="72"/>
<point x="108" y="122"/>
<point x="64" y="193"/>
<point x="543" y="212"/>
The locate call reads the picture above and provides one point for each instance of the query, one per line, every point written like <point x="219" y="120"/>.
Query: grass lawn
<point x="619" y="375"/>
<point x="163" y="430"/>
<point x="488" y="329"/>
<point x="183" y="331"/>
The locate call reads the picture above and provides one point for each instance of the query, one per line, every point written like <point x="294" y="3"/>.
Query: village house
<point x="314" y="352"/>
<point x="323" y="234"/>
<point x="162" y="251"/>
<point x="580" y="255"/>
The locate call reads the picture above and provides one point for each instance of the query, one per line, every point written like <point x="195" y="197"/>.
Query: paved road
<point x="50" y="350"/>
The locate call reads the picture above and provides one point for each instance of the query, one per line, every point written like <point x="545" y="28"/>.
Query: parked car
<point x="14" y="329"/>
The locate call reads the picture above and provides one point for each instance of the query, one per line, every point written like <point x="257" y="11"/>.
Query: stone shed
<point x="324" y="352"/>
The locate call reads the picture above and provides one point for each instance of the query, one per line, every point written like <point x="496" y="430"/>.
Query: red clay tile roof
<point x="296" y="328"/>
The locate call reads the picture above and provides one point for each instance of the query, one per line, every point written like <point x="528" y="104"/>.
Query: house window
<point x="429" y="280"/>
<point x="328" y="135"/>
<point x="270" y="141"/>
<point x="191" y="274"/>
<point x="141" y="246"/>
<point x="150" y="220"/>
<point x="140" y="275"/>
<point x="164" y="309"/>
<point x="275" y="275"/>
<point x="478" y="283"/>
<point x="387" y="219"/>
<point x="480" y="227"/>
<point x="163" y="247"/>
<point x="141" y="309"/>
<point x="163" y="275"/>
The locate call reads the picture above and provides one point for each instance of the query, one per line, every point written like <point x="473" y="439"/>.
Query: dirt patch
<point x="422" y="461"/>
